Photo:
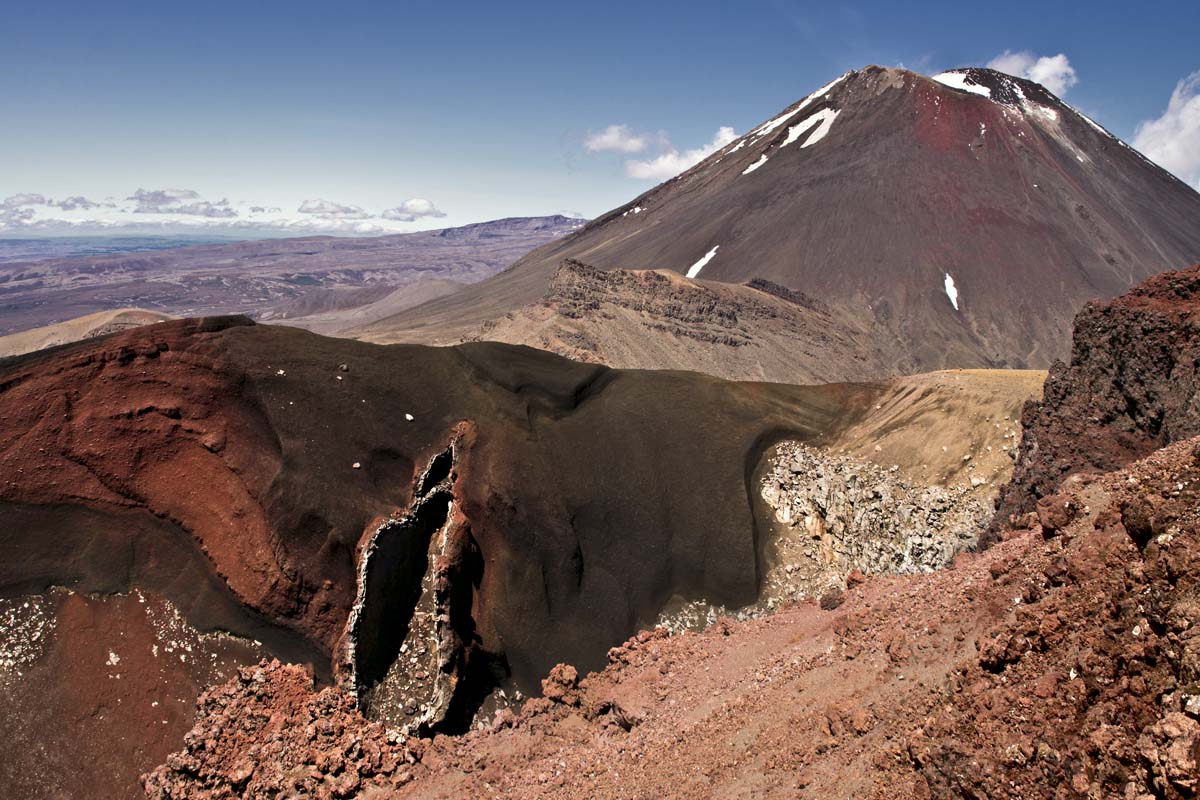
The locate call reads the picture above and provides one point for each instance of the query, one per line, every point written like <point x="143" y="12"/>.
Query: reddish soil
<point x="99" y="686"/>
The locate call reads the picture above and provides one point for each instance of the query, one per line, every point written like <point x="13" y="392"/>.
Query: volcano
<point x="959" y="220"/>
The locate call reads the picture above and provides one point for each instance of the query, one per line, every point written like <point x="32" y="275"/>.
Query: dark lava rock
<point x="1129" y="389"/>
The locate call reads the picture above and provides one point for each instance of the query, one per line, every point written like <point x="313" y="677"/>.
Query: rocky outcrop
<point x="837" y="514"/>
<point x="411" y="652"/>
<point x="1090" y="684"/>
<point x="267" y="733"/>
<point x="658" y="319"/>
<point x="1130" y="387"/>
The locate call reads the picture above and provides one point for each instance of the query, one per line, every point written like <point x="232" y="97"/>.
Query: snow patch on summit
<point x="825" y="117"/>
<point x="767" y="127"/>
<point x="958" y="80"/>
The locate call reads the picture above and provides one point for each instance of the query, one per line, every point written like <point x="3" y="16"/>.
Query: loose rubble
<point x="837" y="514"/>
<point x="266" y="733"/>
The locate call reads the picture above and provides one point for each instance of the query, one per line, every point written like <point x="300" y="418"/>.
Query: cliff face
<point x="658" y="319"/>
<point x="1130" y="388"/>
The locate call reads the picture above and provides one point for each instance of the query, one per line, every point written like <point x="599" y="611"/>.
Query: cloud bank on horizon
<point x="185" y="210"/>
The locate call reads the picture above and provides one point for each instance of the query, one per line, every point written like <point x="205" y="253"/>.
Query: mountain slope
<point x="964" y="218"/>
<point x="87" y="327"/>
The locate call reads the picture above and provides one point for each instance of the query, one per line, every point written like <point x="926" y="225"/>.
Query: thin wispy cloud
<point x="671" y="162"/>
<point x="327" y="209"/>
<point x="157" y="201"/>
<point x="1053" y="72"/>
<point x="186" y="210"/>
<point x="1173" y="140"/>
<point x="75" y="202"/>
<point x="617" y="138"/>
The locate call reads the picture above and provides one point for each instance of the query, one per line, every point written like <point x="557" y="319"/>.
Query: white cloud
<point x="1173" y="140"/>
<point x="672" y="162"/>
<point x="157" y="201"/>
<point x="327" y="209"/>
<point x="170" y="201"/>
<point x="22" y="200"/>
<point x="1053" y="72"/>
<point x="617" y="137"/>
<point x="15" y="217"/>
<point x="74" y="202"/>
<point x="412" y="210"/>
<point x="184" y="211"/>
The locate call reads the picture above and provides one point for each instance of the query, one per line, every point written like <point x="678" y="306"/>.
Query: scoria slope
<point x="90" y="326"/>
<point x="961" y="220"/>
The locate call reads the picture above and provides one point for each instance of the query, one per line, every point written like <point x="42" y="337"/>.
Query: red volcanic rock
<point x="562" y="685"/>
<point x="1127" y="390"/>
<point x="266" y="732"/>
<point x="1171" y="749"/>
<point x="157" y="420"/>
<point x="1055" y="512"/>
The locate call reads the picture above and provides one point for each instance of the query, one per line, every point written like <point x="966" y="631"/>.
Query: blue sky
<point x="481" y="110"/>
